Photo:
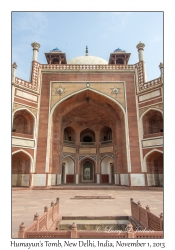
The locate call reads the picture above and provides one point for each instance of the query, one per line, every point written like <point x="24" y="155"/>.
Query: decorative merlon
<point x="140" y="45"/>
<point x="35" y="45"/>
<point x="14" y="65"/>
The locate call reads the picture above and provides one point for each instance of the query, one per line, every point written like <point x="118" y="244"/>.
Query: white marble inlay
<point x="39" y="180"/>
<point x="51" y="179"/>
<point x="26" y="95"/>
<point x="58" y="179"/>
<point x="117" y="179"/>
<point x="149" y="95"/>
<point x="152" y="142"/>
<point x="124" y="179"/>
<point x="20" y="180"/>
<point x="23" y="142"/>
<point x="137" y="180"/>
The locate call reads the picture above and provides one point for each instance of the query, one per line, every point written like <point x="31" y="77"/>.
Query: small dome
<point x="119" y="50"/>
<point x="55" y="50"/>
<point x="87" y="60"/>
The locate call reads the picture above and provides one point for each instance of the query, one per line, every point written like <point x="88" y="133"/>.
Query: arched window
<point x="23" y="122"/>
<point x="152" y="122"/>
<point x="119" y="61"/>
<point x="106" y="134"/>
<point x="69" y="134"/>
<point x="55" y="61"/>
<point x="154" y="164"/>
<point x="87" y="136"/>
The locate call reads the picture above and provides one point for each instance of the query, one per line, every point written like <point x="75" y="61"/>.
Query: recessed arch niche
<point x="87" y="112"/>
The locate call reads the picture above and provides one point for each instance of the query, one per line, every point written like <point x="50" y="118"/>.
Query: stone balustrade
<point x="144" y="216"/>
<point x="42" y="223"/>
<point x="154" y="83"/>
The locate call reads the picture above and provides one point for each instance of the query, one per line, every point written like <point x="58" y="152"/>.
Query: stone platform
<point x="26" y="202"/>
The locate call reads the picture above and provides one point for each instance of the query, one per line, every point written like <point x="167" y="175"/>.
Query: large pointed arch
<point x="108" y="102"/>
<point x="82" y="90"/>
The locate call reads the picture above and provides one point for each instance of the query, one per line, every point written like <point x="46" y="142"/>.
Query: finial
<point x="161" y="65"/>
<point x="140" y="45"/>
<point x="35" y="45"/>
<point x="161" y="216"/>
<point x="74" y="226"/>
<point x="22" y="227"/>
<point x="147" y="208"/>
<point x="139" y="203"/>
<point x="86" y="50"/>
<point x="14" y="65"/>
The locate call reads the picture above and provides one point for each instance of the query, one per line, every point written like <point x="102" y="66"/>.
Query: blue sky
<point x="103" y="32"/>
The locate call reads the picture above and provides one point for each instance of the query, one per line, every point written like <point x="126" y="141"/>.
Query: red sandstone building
<point x="87" y="120"/>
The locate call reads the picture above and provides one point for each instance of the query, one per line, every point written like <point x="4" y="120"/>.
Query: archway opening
<point x="55" y="61"/>
<point x="87" y="136"/>
<point x="107" y="172"/>
<point x="69" y="135"/>
<point x="152" y="122"/>
<point x="20" y="169"/>
<point x="106" y="135"/>
<point x="87" y="119"/>
<point x="119" y="61"/>
<point x="68" y="170"/>
<point x="154" y="163"/>
<point x="23" y="123"/>
<point x="87" y="171"/>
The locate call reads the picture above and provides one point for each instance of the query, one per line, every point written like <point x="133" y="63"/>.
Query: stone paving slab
<point x="25" y="203"/>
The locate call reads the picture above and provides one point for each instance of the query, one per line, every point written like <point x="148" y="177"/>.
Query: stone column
<point x="98" y="178"/>
<point x="36" y="47"/>
<point x="140" y="48"/>
<point x="14" y="67"/>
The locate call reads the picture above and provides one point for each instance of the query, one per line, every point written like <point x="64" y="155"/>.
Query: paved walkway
<point x="25" y="203"/>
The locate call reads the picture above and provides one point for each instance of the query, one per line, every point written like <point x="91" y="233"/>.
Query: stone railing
<point x="86" y="234"/>
<point x="69" y="142"/>
<point x="33" y="85"/>
<point x="87" y="143"/>
<point x="150" y="84"/>
<point x="144" y="216"/>
<point x="25" y="84"/>
<point x="106" y="142"/>
<point x="42" y="223"/>
<point x="86" y="67"/>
